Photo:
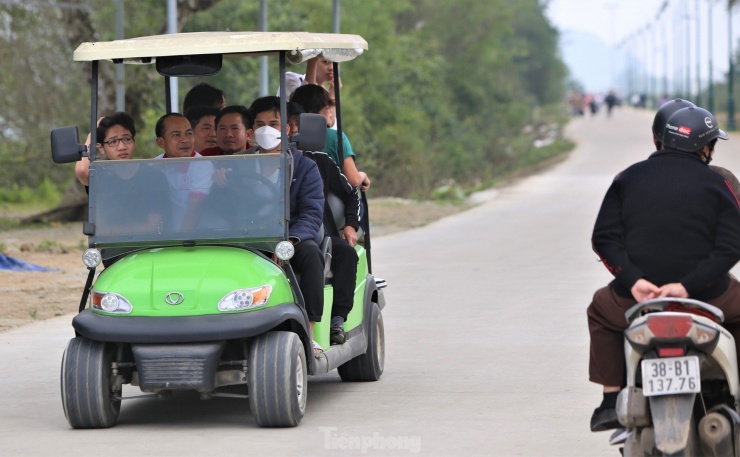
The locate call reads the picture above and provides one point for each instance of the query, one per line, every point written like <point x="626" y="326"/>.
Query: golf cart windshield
<point x="233" y="199"/>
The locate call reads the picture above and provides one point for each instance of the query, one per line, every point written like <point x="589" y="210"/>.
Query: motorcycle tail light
<point x="670" y="326"/>
<point x="675" y="331"/>
<point x="671" y="352"/>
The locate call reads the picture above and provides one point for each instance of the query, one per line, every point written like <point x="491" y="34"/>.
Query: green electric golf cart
<point x="199" y="303"/>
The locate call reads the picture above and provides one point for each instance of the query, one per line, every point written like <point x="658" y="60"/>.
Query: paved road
<point x="487" y="344"/>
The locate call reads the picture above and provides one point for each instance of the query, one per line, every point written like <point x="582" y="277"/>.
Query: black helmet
<point x="665" y="111"/>
<point x="689" y="129"/>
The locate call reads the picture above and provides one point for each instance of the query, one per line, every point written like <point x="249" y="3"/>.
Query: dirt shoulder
<point x="29" y="296"/>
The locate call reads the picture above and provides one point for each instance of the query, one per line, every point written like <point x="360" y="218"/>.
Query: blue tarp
<point x="10" y="263"/>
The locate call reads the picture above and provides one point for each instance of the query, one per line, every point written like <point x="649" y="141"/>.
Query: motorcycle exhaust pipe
<point x="715" y="435"/>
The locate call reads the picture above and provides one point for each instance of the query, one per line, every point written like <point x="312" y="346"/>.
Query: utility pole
<point x="172" y="28"/>
<point x="646" y="67"/>
<point x="665" y="56"/>
<point x="698" y="54"/>
<point x="263" y="60"/>
<point x="336" y="17"/>
<point x="731" y="74"/>
<point x="688" y="52"/>
<point x="677" y="86"/>
<point x="120" y="69"/>
<point x="611" y="7"/>
<point x="710" y="93"/>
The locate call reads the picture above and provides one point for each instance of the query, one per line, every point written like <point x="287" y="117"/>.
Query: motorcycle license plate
<point x="673" y="375"/>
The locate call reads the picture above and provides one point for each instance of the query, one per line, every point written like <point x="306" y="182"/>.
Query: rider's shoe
<point x="336" y="331"/>
<point x="604" y="419"/>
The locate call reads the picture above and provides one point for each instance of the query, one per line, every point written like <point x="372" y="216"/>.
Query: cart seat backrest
<point x="337" y="210"/>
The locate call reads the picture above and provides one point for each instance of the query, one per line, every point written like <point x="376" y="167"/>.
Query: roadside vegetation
<point x="451" y="96"/>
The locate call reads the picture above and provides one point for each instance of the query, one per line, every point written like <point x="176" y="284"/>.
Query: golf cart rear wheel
<point x="87" y="394"/>
<point x="368" y="366"/>
<point x="278" y="377"/>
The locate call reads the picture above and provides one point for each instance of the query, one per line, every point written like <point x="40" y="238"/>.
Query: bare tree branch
<point x="80" y="29"/>
<point x="185" y="8"/>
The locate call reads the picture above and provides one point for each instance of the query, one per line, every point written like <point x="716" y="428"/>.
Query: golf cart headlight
<point x="91" y="258"/>
<point x="284" y="250"/>
<point x="241" y="299"/>
<point x="110" y="303"/>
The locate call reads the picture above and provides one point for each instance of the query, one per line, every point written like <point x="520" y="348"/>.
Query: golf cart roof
<point x="300" y="46"/>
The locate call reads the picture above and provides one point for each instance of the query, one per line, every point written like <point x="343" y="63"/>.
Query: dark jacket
<point x="669" y="219"/>
<point x="336" y="183"/>
<point x="306" y="199"/>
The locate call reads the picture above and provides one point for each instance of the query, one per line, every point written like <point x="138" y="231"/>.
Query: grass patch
<point x="47" y="194"/>
<point x="537" y="160"/>
<point x="47" y="245"/>
<point x="9" y="223"/>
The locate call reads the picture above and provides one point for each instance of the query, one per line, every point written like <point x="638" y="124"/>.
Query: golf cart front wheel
<point x="278" y="377"/>
<point x="87" y="388"/>
<point x="368" y="366"/>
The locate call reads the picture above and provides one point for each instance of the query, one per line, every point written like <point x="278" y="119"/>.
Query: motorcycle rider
<point x="661" y="117"/>
<point x="667" y="227"/>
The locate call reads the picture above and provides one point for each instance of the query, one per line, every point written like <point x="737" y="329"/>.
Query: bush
<point x="47" y="193"/>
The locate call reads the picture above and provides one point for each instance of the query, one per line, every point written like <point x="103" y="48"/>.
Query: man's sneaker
<point x="604" y="419"/>
<point x="336" y="331"/>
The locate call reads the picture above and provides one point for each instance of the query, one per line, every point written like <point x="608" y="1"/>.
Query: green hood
<point x="203" y="275"/>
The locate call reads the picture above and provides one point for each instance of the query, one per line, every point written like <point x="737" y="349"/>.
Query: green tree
<point x="36" y="93"/>
<point x="448" y="92"/>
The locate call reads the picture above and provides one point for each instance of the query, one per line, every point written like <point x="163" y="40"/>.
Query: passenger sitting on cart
<point x="122" y="186"/>
<point x="204" y="94"/>
<point x="190" y="184"/>
<point x="344" y="257"/>
<point x="315" y="99"/>
<point x="306" y="209"/>
<point x="233" y="126"/>
<point x="203" y="121"/>
<point x="116" y="140"/>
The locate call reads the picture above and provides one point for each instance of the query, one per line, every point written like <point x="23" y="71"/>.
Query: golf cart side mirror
<point x="65" y="145"/>
<point x="312" y="132"/>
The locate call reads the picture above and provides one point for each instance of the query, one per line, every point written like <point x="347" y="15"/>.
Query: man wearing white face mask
<point x="306" y="207"/>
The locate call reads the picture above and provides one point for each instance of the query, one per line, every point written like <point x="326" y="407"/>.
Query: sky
<point x="615" y="44"/>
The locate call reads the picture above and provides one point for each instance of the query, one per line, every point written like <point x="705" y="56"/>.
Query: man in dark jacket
<point x="668" y="227"/>
<point x="306" y="207"/>
<point x="344" y="257"/>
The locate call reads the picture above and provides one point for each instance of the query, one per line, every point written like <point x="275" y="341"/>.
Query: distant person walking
<point x="611" y="101"/>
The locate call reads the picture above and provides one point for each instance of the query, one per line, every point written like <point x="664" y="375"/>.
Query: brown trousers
<point x="606" y="324"/>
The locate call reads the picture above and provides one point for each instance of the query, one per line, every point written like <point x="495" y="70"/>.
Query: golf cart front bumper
<point x="186" y="329"/>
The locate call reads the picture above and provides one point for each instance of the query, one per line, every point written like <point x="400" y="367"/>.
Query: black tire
<point x="368" y="366"/>
<point x="278" y="379"/>
<point x="86" y="387"/>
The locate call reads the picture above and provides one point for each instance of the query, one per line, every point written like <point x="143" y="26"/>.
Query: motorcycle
<point x="682" y="395"/>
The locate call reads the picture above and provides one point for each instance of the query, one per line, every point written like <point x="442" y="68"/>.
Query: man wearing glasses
<point x="116" y="136"/>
